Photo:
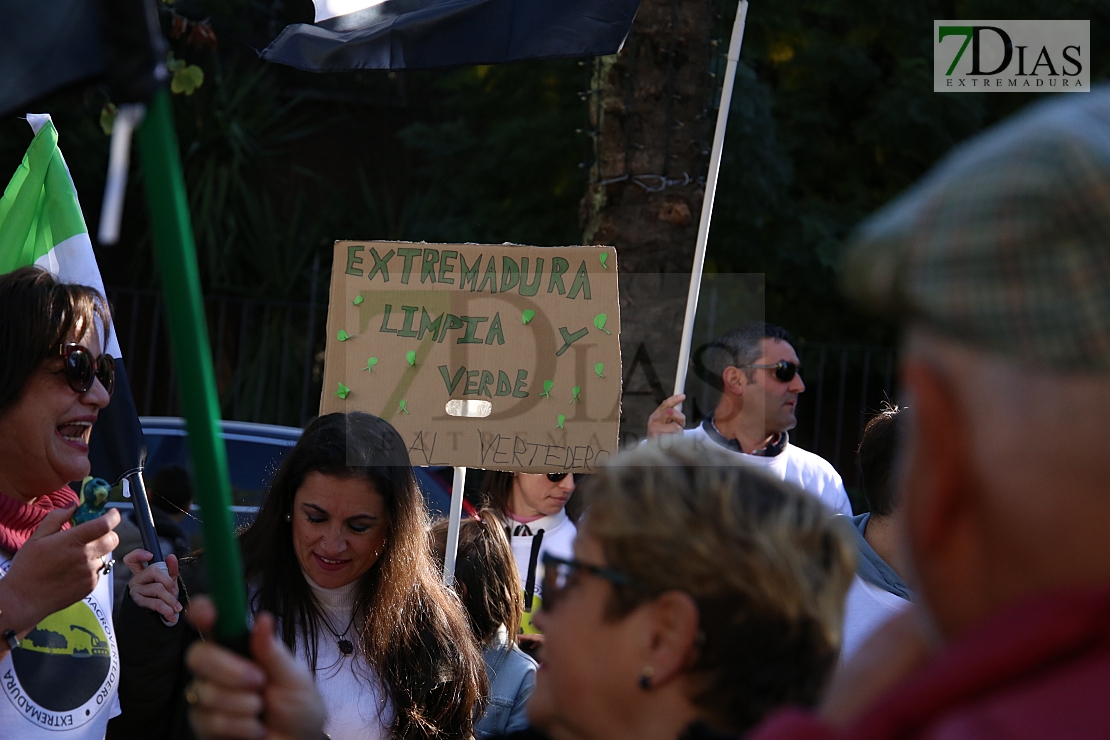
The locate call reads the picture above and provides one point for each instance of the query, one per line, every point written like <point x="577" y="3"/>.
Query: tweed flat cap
<point x="1006" y="243"/>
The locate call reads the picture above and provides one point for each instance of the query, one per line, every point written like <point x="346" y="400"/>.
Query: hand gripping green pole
<point x="173" y="244"/>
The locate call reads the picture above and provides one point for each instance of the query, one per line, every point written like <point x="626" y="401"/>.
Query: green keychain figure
<point x="91" y="499"/>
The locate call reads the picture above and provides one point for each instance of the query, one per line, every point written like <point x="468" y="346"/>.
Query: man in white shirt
<point x="758" y="374"/>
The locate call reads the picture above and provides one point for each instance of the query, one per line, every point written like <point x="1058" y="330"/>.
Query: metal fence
<point x="845" y="386"/>
<point x="268" y="356"/>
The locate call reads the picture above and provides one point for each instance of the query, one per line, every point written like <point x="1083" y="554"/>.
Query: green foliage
<point x="254" y="220"/>
<point x="186" y="77"/>
<point x="501" y="155"/>
<point x="108" y="118"/>
<point x="833" y="115"/>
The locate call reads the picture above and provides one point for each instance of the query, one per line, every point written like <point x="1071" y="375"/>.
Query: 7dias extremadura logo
<point x="1011" y="56"/>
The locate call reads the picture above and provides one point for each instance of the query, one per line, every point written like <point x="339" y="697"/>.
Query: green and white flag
<point x="40" y="218"/>
<point x="41" y="224"/>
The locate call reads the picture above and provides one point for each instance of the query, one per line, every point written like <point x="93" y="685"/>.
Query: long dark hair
<point x="485" y="574"/>
<point x="496" y="490"/>
<point x="414" y="634"/>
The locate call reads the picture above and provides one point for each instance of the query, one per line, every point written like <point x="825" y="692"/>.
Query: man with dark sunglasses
<point x="758" y="375"/>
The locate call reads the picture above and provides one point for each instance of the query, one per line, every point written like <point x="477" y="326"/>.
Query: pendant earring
<point x="288" y="517"/>
<point x="645" y="677"/>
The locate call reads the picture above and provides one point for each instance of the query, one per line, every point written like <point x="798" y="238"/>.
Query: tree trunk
<point x="652" y="123"/>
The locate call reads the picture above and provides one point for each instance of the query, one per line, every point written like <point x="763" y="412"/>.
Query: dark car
<point x="254" y="452"/>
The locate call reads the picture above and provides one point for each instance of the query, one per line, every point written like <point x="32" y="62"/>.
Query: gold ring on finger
<point x="191" y="693"/>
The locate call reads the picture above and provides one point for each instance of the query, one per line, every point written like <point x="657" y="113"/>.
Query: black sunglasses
<point x="81" y="369"/>
<point x="784" y="371"/>
<point x="556" y="477"/>
<point x="557" y="573"/>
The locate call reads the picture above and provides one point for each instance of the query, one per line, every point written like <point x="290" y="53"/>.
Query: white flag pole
<point x="128" y="117"/>
<point x="710" y="192"/>
<point x="453" y="522"/>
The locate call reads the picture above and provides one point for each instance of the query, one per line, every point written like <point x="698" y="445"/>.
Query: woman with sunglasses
<point x="701" y="594"/>
<point x="54" y="380"/>
<point x="534" y="508"/>
<point x="339" y="556"/>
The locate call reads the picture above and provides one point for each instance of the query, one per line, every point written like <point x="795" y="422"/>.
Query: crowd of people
<point x="717" y="584"/>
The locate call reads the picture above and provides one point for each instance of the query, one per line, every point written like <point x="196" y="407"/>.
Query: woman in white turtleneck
<point x="339" y="555"/>
<point x="534" y="507"/>
<point x="339" y="531"/>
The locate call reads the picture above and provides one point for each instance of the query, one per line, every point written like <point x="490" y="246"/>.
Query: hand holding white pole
<point x="710" y="192"/>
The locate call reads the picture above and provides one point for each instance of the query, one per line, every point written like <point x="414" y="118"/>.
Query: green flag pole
<point x="177" y="260"/>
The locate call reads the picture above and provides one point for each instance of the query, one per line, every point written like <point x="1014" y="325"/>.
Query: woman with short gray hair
<point x="701" y="595"/>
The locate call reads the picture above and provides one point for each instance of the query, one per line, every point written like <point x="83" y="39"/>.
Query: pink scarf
<point x="19" y="520"/>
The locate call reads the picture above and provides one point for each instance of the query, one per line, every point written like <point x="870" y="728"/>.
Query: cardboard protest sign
<point x="499" y="357"/>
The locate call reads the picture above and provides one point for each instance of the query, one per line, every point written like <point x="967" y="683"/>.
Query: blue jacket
<point x="512" y="678"/>
<point x="873" y="568"/>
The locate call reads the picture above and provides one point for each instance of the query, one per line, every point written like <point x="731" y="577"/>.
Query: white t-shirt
<point x="62" y="681"/>
<point x="358" y="709"/>
<point x="866" y="608"/>
<point x="558" y="539"/>
<point x="808" y="471"/>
